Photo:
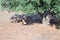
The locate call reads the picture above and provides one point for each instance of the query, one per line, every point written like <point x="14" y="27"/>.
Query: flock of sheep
<point x="48" y="15"/>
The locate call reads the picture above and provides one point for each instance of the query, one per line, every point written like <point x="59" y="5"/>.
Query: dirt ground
<point x="17" y="31"/>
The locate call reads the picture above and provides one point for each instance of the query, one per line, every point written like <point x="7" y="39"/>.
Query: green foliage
<point x="31" y="6"/>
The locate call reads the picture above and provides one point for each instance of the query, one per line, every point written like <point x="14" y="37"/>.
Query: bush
<point x="31" y="6"/>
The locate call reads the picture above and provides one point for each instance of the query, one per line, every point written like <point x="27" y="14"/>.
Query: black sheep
<point x="32" y="19"/>
<point x="55" y="21"/>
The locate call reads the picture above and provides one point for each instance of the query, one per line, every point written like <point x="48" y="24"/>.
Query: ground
<point x="17" y="31"/>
